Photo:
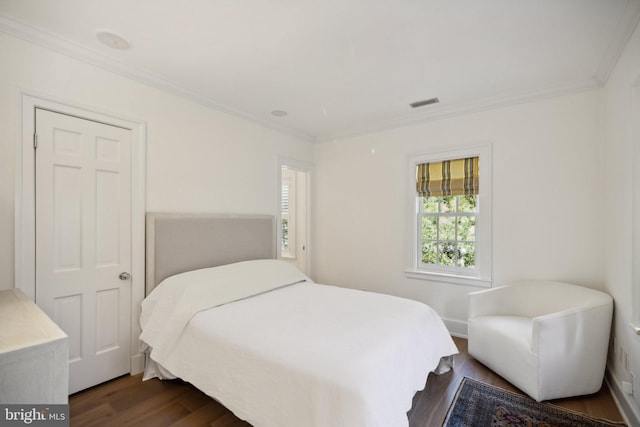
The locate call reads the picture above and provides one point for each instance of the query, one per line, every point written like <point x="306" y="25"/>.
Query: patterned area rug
<point x="478" y="404"/>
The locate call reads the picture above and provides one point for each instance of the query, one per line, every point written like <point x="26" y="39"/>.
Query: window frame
<point x="480" y="275"/>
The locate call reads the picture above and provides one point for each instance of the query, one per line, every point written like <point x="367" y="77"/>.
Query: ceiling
<point x="341" y="67"/>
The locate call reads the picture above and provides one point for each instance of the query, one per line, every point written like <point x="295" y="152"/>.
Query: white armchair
<point x="549" y="339"/>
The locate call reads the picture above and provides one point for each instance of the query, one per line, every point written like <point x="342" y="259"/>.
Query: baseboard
<point x="137" y="364"/>
<point x="457" y="328"/>
<point x="627" y="406"/>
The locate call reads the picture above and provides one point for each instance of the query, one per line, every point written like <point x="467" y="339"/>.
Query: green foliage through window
<point x="448" y="228"/>
<point x="285" y="233"/>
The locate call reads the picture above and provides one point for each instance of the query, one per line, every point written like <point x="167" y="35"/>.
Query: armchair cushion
<point x="505" y="348"/>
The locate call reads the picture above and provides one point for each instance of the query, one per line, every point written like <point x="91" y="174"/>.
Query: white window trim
<point x="481" y="276"/>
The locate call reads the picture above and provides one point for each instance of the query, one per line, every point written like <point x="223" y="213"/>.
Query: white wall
<point x="198" y="159"/>
<point x="547" y="193"/>
<point x="621" y="138"/>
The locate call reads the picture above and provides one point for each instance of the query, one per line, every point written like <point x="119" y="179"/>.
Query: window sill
<point x="449" y="278"/>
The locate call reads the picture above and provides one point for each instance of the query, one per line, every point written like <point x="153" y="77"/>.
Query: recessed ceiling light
<point x="112" y="40"/>
<point x="425" y="102"/>
<point x="279" y="113"/>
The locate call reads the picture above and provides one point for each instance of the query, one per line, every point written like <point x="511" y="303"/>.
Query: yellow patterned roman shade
<point x="448" y="178"/>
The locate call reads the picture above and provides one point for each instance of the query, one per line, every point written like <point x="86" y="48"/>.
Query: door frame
<point x="310" y="229"/>
<point x="25" y="222"/>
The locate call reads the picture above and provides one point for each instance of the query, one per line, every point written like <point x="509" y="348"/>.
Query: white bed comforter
<point x="279" y="350"/>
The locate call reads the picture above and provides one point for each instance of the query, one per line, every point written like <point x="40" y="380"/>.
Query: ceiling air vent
<point x="425" y="102"/>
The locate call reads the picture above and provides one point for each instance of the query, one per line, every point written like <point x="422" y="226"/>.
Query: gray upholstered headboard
<point x="182" y="242"/>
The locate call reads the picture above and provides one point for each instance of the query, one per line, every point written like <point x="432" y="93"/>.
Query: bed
<point x="267" y="342"/>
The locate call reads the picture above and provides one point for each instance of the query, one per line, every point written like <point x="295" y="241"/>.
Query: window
<point x="288" y="213"/>
<point x="447" y="231"/>
<point x="284" y="218"/>
<point x="450" y="208"/>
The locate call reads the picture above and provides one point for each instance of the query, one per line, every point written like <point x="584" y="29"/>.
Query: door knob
<point x="124" y="276"/>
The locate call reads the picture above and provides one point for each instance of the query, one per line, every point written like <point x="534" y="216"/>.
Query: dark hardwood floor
<point x="128" y="401"/>
<point x="430" y="405"/>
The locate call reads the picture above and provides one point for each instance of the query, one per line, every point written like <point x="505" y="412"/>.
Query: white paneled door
<point x="83" y="241"/>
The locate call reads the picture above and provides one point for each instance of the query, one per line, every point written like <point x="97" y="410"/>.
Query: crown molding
<point x="458" y="109"/>
<point x="40" y="37"/>
<point x="624" y="31"/>
<point x="48" y="40"/>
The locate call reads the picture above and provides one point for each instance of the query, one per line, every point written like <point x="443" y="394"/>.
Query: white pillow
<point x="273" y="271"/>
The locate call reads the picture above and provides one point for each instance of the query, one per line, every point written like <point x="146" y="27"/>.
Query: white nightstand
<point x="34" y="366"/>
